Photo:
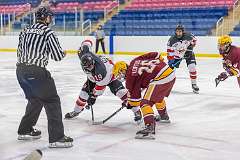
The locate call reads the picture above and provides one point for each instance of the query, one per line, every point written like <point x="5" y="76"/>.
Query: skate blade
<point x="164" y="121"/>
<point x="196" y="92"/>
<point x="60" y="145"/>
<point x="139" y="122"/>
<point x="158" y="120"/>
<point x="28" y="137"/>
<point x="149" y="137"/>
<point x="70" y="118"/>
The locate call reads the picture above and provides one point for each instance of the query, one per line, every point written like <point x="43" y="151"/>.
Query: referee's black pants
<point x="40" y="91"/>
<point x="102" y="44"/>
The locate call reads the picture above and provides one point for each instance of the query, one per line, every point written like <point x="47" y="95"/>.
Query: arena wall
<point x="132" y="45"/>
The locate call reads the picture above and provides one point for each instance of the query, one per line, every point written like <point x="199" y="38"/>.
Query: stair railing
<point x="109" y="8"/>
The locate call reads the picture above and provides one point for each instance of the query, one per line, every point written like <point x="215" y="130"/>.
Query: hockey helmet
<point x="224" y="43"/>
<point x="120" y="69"/>
<point x="179" y="28"/>
<point x="86" y="45"/>
<point x="87" y="63"/>
<point x="226" y="39"/>
<point x="43" y="12"/>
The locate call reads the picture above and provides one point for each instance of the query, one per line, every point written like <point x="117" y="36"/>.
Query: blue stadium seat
<point x="236" y="31"/>
<point x="14" y="2"/>
<point x="163" y="22"/>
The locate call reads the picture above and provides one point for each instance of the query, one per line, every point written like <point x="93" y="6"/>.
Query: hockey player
<point x="231" y="59"/>
<point x="180" y="46"/>
<point x="99" y="75"/>
<point x="148" y="72"/>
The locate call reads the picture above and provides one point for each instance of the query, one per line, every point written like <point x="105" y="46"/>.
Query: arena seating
<point x="7" y="11"/>
<point x="86" y="5"/>
<point x="19" y="2"/>
<point x="160" y="17"/>
<point x="236" y="31"/>
<point x="15" y="8"/>
<point x="162" y="22"/>
<point x="70" y="18"/>
<point x="93" y="10"/>
<point x="156" y="4"/>
<point x="140" y="18"/>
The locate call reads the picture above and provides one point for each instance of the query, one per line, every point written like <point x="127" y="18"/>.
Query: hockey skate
<point x="34" y="134"/>
<point x="138" y="117"/>
<point x="72" y="114"/>
<point x="65" y="142"/>
<point x="195" y="88"/>
<point x="147" y="133"/>
<point x="162" y="119"/>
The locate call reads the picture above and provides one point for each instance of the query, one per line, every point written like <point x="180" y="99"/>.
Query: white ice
<point x="204" y="126"/>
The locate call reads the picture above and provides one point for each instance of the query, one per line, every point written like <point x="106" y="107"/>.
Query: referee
<point x="36" y="44"/>
<point x="100" y="36"/>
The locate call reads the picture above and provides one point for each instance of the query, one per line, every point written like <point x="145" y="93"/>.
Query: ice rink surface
<point x="204" y="126"/>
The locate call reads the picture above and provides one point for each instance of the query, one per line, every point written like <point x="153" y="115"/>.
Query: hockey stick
<point x="90" y="106"/>
<point x="217" y="80"/>
<point x="109" y="117"/>
<point x="92" y="113"/>
<point x="178" y="62"/>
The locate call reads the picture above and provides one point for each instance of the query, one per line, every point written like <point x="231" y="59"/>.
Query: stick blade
<point x="97" y="123"/>
<point x="217" y="81"/>
<point x="149" y="137"/>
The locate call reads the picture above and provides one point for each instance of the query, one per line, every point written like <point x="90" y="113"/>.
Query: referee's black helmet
<point x="43" y="12"/>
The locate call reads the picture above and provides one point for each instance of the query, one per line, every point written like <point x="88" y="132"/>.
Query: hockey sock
<point x="161" y="107"/>
<point x="193" y="73"/>
<point x="80" y="104"/>
<point x="148" y="114"/>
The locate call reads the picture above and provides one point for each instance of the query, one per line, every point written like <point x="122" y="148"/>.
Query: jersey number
<point x="98" y="77"/>
<point x="148" y="66"/>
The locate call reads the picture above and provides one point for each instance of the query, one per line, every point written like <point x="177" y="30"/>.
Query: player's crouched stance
<point x="231" y="59"/>
<point x="151" y="73"/>
<point x="99" y="75"/>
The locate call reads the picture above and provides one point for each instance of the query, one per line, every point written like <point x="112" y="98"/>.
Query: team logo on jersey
<point x="180" y="48"/>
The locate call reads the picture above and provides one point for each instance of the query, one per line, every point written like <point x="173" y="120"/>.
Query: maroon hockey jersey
<point x="146" y="69"/>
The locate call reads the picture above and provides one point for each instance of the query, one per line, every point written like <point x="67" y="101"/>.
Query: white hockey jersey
<point x="102" y="73"/>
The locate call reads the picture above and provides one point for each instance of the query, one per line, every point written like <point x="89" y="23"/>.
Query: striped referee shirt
<point x="36" y="44"/>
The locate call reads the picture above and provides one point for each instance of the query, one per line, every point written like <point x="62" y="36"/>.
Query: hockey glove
<point x="232" y="71"/>
<point x="127" y="105"/>
<point x="91" y="100"/>
<point x="170" y="63"/>
<point x="174" y="63"/>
